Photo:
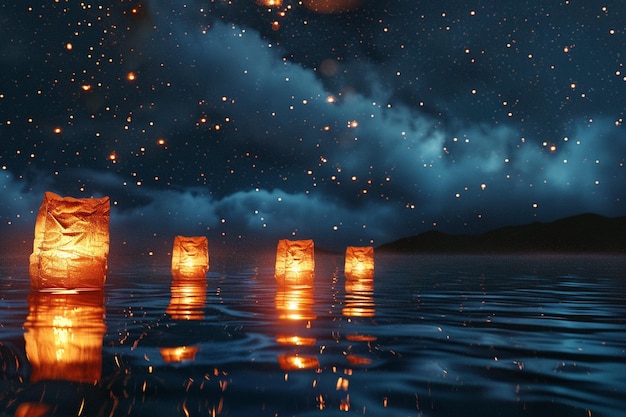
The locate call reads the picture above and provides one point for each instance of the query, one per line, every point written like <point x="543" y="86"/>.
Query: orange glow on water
<point x="295" y="340"/>
<point x="297" y="362"/>
<point x="63" y="335"/>
<point x="179" y="353"/>
<point x="188" y="300"/>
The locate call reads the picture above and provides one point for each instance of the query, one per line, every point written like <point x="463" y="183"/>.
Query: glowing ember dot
<point x="572" y="85"/>
<point x="552" y="148"/>
<point x="58" y="130"/>
<point x="353" y="123"/>
<point x="161" y="141"/>
<point x="69" y="46"/>
<point x="86" y="87"/>
<point x="112" y="156"/>
<point x="131" y="76"/>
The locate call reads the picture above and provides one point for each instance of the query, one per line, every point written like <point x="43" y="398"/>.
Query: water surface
<point x="429" y="336"/>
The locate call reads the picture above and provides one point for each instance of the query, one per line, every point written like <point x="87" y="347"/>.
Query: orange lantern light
<point x="64" y="335"/>
<point x="295" y="340"/>
<point x="32" y="409"/>
<point x="359" y="271"/>
<point x="295" y="261"/>
<point x="188" y="300"/>
<point x="71" y="243"/>
<point x="291" y="362"/>
<point x="295" y="302"/>
<point x="190" y="257"/>
<point x="359" y="262"/>
<point x="179" y="353"/>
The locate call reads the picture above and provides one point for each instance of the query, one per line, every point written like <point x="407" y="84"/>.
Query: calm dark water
<point x="433" y="336"/>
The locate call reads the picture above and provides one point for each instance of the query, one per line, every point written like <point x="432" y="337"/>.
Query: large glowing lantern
<point x="190" y="257"/>
<point x="295" y="261"/>
<point x="188" y="300"/>
<point x="359" y="262"/>
<point x="71" y="243"/>
<point x="63" y="335"/>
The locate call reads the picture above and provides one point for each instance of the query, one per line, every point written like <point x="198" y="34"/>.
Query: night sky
<point x="349" y="122"/>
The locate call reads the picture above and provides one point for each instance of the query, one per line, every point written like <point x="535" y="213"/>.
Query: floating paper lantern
<point x="188" y="300"/>
<point x="179" y="353"/>
<point x="190" y="257"/>
<point x="64" y="335"/>
<point x="295" y="261"/>
<point x="71" y="243"/>
<point x="359" y="262"/>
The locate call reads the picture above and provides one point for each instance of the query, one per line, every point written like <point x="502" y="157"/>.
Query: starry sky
<point x="351" y="122"/>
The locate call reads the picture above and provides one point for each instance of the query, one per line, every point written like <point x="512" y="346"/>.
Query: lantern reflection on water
<point x="179" y="353"/>
<point x="293" y="362"/>
<point x="295" y="261"/>
<point x="359" y="301"/>
<point x="190" y="257"/>
<point x="71" y="243"/>
<point x="295" y="302"/>
<point x="188" y="300"/>
<point x="359" y="262"/>
<point x="64" y="332"/>
<point x="359" y="271"/>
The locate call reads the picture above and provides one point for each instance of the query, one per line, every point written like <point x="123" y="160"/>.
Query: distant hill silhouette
<point x="585" y="233"/>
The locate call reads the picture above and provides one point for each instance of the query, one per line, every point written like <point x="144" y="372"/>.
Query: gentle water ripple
<point x="434" y="336"/>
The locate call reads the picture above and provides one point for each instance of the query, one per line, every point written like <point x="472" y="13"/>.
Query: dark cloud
<point x="354" y="127"/>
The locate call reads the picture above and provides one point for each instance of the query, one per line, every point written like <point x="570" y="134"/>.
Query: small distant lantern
<point x="295" y="261"/>
<point x="190" y="257"/>
<point x="359" y="262"/>
<point x="64" y="334"/>
<point x="179" y="354"/>
<point x="188" y="300"/>
<point x="71" y="243"/>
